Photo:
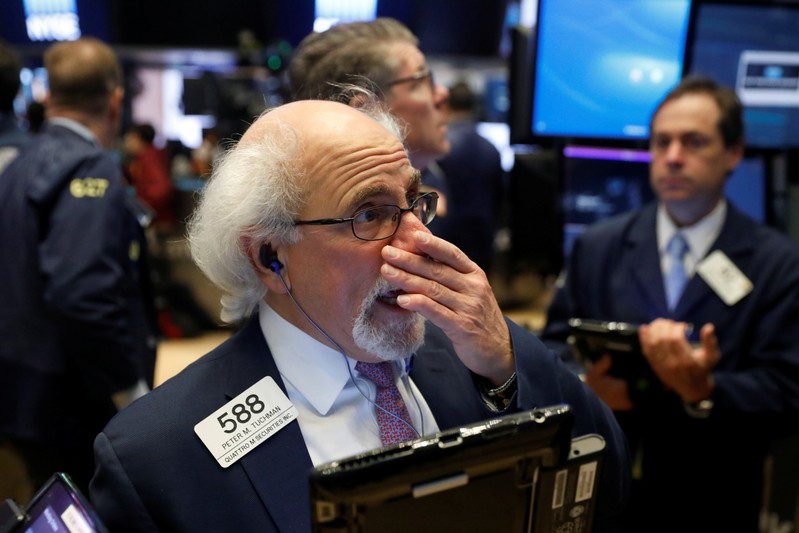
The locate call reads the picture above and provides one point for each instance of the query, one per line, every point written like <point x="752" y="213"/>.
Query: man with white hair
<point x="315" y="229"/>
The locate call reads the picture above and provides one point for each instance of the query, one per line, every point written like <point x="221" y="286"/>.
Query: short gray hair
<point x="256" y="191"/>
<point x="353" y="52"/>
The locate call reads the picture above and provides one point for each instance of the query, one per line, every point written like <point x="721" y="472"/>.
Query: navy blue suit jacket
<point x="712" y="466"/>
<point x="74" y="320"/>
<point x="153" y="473"/>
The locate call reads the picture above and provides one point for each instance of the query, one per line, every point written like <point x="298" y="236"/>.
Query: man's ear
<point x="357" y="100"/>
<point x="736" y="154"/>
<point x="116" y="103"/>
<point x="266" y="264"/>
<point x="268" y="258"/>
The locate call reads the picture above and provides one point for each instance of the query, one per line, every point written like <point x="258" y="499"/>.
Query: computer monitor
<point x="600" y="68"/>
<point x="600" y="182"/>
<point x="752" y="46"/>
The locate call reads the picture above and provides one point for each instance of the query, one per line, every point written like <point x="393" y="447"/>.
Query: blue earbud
<point x="269" y="259"/>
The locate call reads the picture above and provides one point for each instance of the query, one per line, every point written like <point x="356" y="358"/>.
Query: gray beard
<point x="386" y="341"/>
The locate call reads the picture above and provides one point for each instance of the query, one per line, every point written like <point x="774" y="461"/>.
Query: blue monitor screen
<point x="755" y="49"/>
<point x="602" y="67"/>
<point x="599" y="183"/>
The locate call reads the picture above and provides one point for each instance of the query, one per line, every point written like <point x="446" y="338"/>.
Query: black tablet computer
<point x="481" y="477"/>
<point x="590" y="339"/>
<point x="59" y="507"/>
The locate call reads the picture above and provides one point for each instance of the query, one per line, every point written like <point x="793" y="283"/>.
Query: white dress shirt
<point x="335" y="417"/>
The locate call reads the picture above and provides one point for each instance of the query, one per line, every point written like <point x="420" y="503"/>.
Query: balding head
<point x="262" y="184"/>
<point x="322" y="123"/>
<point x="82" y="75"/>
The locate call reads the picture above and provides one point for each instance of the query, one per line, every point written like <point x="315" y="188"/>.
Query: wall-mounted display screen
<point x="600" y="68"/>
<point x="753" y="47"/>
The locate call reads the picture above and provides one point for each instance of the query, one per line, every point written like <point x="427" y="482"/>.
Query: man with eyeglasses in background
<point x="382" y="55"/>
<point x="314" y="226"/>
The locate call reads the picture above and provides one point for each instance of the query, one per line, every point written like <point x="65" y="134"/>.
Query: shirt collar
<point x="76" y="127"/>
<point x="317" y="371"/>
<point x="700" y="236"/>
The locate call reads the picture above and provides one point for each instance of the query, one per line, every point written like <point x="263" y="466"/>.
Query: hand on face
<point x="681" y="367"/>
<point x="451" y="291"/>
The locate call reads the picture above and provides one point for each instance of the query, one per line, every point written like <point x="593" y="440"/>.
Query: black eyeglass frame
<point x="426" y="73"/>
<point x="431" y="198"/>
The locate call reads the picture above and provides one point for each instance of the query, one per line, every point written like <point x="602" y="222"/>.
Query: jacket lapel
<point x="642" y="262"/>
<point x="736" y="240"/>
<point x="279" y="467"/>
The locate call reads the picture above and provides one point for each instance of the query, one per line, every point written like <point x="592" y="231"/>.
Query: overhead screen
<point x="754" y="47"/>
<point x="600" y="68"/>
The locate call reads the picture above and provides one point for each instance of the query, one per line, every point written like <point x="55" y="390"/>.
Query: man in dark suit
<point x="473" y="169"/>
<point x="78" y="342"/>
<point x="318" y="297"/>
<point x="722" y="386"/>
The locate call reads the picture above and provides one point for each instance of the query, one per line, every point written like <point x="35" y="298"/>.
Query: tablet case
<point x="568" y="492"/>
<point x="481" y="477"/>
<point x="590" y="339"/>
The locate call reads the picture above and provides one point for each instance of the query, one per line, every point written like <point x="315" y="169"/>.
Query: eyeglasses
<point x="382" y="221"/>
<point x="427" y="73"/>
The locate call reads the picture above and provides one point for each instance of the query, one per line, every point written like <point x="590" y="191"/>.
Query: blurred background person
<point x="78" y="334"/>
<point x="474" y="174"/>
<point x="14" y="480"/>
<point x="720" y="390"/>
<point x="147" y="170"/>
<point x="12" y="138"/>
<point x="204" y="156"/>
<point x="382" y="55"/>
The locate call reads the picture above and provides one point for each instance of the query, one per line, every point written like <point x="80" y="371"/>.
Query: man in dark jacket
<point x="718" y="324"/>
<point x="78" y="342"/>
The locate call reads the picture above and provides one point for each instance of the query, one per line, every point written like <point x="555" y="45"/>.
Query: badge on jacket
<point x="246" y="422"/>
<point x="724" y="277"/>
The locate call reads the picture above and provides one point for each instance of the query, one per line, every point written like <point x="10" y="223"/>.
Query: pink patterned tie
<point x="392" y="429"/>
